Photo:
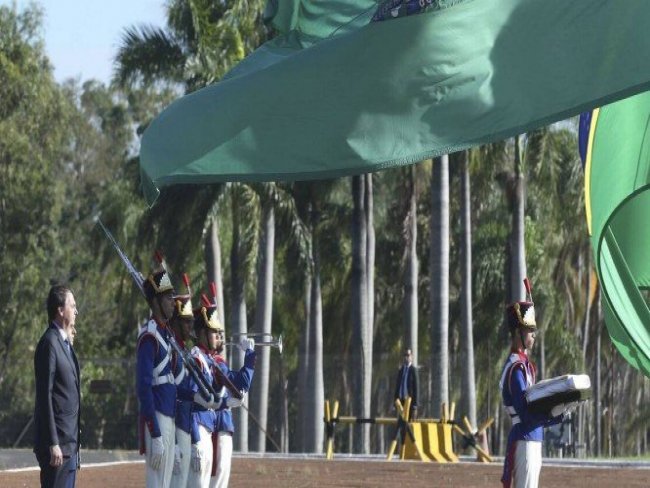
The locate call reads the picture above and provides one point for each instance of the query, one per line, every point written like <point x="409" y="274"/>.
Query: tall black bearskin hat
<point x="158" y="281"/>
<point x="183" y="303"/>
<point x="207" y="315"/>
<point x="522" y="313"/>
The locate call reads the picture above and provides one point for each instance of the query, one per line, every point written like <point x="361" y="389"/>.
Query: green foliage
<point x="34" y="114"/>
<point x="69" y="152"/>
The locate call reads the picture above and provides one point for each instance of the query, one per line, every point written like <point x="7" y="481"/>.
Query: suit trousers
<point x="64" y="476"/>
<point x="162" y="477"/>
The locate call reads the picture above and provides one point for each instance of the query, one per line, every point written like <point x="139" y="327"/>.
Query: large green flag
<point x="337" y="94"/>
<point x="617" y="184"/>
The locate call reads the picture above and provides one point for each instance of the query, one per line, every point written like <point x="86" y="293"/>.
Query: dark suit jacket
<point x="58" y="400"/>
<point x="412" y="384"/>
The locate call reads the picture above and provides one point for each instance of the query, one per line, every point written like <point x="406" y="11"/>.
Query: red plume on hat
<point x="158" y="281"/>
<point x="522" y="313"/>
<point x="207" y="314"/>
<point x="183" y="303"/>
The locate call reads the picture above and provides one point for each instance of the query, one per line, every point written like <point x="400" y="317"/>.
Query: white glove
<point x="232" y="402"/>
<point x="157" y="451"/>
<point x="245" y="344"/>
<point x="177" y="459"/>
<point x="196" y="458"/>
<point x="199" y="400"/>
<point x="570" y="407"/>
<point x="563" y="408"/>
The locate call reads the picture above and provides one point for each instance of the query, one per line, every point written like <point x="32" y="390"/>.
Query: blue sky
<point x="81" y="37"/>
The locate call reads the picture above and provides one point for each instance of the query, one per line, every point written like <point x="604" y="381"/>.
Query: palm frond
<point x="148" y="54"/>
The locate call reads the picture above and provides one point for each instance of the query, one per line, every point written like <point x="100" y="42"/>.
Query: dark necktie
<point x="404" y="389"/>
<point x="67" y="346"/>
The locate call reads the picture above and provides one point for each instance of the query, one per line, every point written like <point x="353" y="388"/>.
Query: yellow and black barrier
<point x="426" y="439"/>
<point x="476" y="438"/>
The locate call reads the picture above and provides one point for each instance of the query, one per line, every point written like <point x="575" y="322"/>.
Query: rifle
<point x="205" y="388"/>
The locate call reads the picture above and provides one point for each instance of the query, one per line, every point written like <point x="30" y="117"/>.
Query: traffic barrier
<point x="423" y="439"/>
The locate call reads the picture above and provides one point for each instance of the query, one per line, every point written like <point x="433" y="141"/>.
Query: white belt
<point x="513" y="415"/>
<point x="161" y="380"/>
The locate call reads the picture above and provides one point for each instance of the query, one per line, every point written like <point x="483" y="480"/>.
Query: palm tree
<point x="468" y="387"/>
<point x="202" y="41"/>
<point x="361" y="342"/>
<point x="411" y="266"/>
<point x="263" y="314"/>
<point x="310" y="198"/>
<point x="439" y="274"/>
<point x="212" y="254"/>
<point x="516" y="243"/>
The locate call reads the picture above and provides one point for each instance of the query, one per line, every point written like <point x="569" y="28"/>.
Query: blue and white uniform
<point x="523" y="460"/>
<point x="184" y="398"/>
<point x="224" y="427"/>
<point x="156" y="391"/>
<point x="202" y="422"/>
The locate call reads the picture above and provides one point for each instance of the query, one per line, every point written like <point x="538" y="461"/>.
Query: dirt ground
<point x="297" y="473"/>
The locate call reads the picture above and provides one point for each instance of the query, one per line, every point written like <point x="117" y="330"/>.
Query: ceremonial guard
<point x="206" y="325"/>
<point x="181" y="324"/>
<point x="241" y="380"/>
<point x="155" y="383"/>
<point x="523" y="460"/>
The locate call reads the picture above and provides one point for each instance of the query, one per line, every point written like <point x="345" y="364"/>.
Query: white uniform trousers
<point x="162" y="477"/>
<point x="184" y="443"/>
<point x="224" y="457"/>
<point x="527" y="465"/>
<point x="201" y="478"/>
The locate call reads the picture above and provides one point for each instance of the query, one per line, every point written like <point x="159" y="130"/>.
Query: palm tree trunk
<point x="284" y="417"/>
<point x="468" y="388"/>
<point x="370" y="224"/>
<point x="212" y="253"/>
<point x="238" y="321"/>
<point x="411" y="274"/>
<point x="439" y="275"/>
<point x="517" y="242"/>
<point x="587" y="319"/>
<point x="315" y="384"/>
<point x="263" y="314"/>
<point x="360" y="312"/>
<point x="370" y="269"/>
<point x="303" y="367"/>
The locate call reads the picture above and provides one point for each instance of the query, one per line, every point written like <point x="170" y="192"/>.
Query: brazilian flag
<point x="617" y="197"/>
<point x="353" y="86"/>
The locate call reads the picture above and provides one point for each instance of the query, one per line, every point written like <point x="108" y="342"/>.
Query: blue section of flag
<point x="583" y="135"/>
<point x="391" y="9"/>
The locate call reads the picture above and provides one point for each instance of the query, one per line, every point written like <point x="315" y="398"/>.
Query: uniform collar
<point x="161" y="325"/>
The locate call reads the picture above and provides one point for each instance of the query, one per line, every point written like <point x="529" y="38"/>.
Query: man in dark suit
<point x="407" y="384"/>
<point x="56" y="414"/>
